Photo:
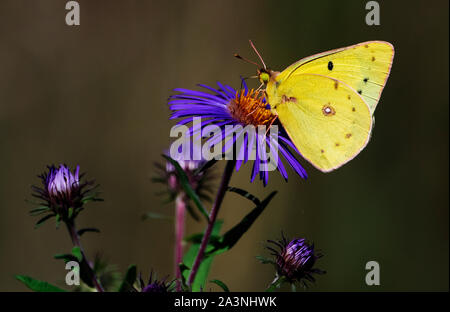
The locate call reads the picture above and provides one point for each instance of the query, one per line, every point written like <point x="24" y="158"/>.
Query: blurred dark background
<point x="96" y="95"/>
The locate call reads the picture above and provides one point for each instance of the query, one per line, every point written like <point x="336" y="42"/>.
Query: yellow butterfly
<point x="325" y="102"/>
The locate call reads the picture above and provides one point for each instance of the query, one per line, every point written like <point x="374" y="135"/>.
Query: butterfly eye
<point x="264" y="77"/>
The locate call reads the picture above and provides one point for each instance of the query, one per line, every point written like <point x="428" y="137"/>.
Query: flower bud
<point x="295" y="260"/>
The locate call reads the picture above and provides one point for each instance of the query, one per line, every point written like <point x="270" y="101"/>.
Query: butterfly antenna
<point x="250" y="77"/>
<point x="259" y="55"/>
<point x="245" y="60"/>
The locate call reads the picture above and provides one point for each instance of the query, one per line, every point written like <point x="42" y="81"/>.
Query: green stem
<point x="76" y="241"/>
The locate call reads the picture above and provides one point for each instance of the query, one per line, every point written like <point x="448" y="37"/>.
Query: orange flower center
<point x="250" y="109"/>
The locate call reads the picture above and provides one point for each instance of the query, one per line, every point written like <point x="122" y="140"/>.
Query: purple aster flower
<point x="295" y="260"/>
<point x="63" y="193"/>
<point x="226" y="106"/>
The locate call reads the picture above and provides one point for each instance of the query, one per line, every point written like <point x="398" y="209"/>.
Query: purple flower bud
<point x="154" y="285"/>
<point x="200" y="182"/>
<point x="63" y="189"/>
<point x="295" y="260"/>
<point x="61" y="183"/>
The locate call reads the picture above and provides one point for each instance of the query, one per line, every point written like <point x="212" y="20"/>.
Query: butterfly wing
<point x="326" y="119"/>
<point x="365" y="67"/>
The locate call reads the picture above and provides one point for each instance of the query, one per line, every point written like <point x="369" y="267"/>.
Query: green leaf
<point x="37" y="285"/>
<point x="221" y="284"/>
<point x="184" y="181"/>
<point x="265" y="260"/>
<point x="82" y="231"/>
<point x="130" y="278"/>
<point x="65" y="257"/>
<point x="183" y="269"/>
<point x="231" y="237"/>
<point x="191" y="211"/>
<point x="203" y="270"/>
<point x="39" y="210"/>
<point x="245" y="194"/>
<point x="92" y="197"/>
<point x="158" y="180"/>
<point x="277" y="282"/>
<point x="154" y="215"/>
<point x="35" y="203"/>
<point x="293" y="287"/>
<point x="41" y="221"/>
<point x="76" y="252"/>
<point x="70" y="212"/>
<point x="58" y="220"/>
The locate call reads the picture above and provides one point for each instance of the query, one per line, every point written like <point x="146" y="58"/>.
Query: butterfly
<point x="326" y="102"/>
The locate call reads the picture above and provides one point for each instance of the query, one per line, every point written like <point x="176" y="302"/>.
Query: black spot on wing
<point x="330" y="65"/>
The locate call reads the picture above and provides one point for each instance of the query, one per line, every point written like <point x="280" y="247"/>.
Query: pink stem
<point x="180" y="217"/>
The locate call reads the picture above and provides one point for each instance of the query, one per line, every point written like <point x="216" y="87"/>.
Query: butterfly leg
<point x="271" y="123"/>
<point x="260" y="87"/>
